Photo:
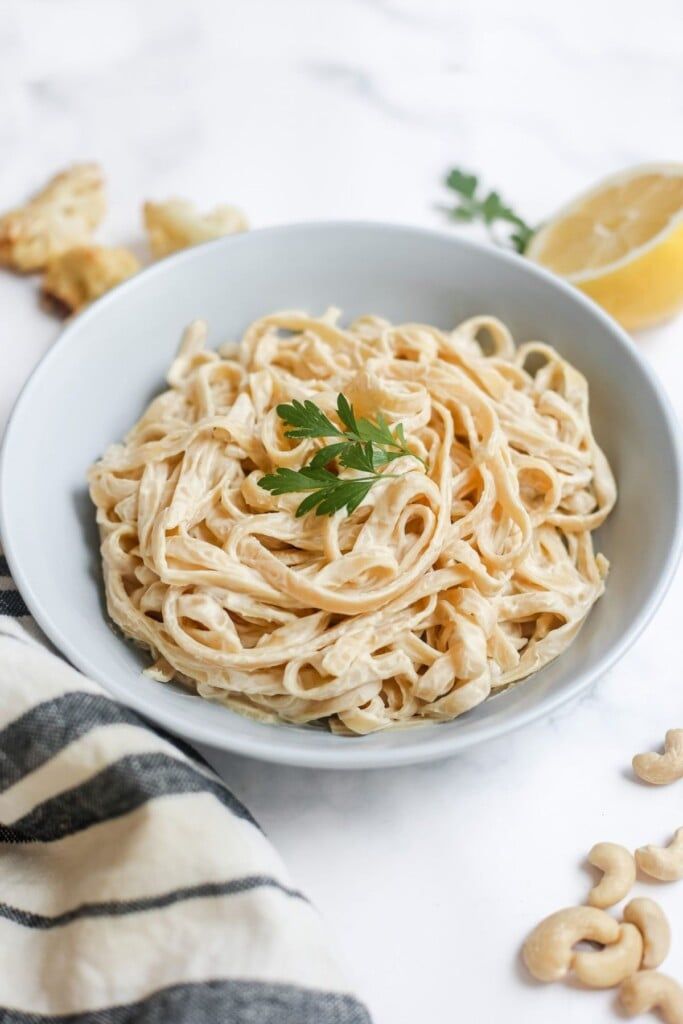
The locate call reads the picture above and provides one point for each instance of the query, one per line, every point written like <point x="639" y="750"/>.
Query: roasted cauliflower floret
<point x="177" y="224"/>
<point x="58" y="218"/>
<point x="82" y="274"/>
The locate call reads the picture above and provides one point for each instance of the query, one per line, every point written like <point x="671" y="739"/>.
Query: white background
<point x="429" y="877"/>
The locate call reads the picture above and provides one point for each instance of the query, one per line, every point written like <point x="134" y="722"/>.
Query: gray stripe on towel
<point x="120" y="908"/>
<point x="217" y="1002"/>
<point x="118" y="789"/>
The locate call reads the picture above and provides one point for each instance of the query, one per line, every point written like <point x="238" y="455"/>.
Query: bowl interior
<point x="112" y="359"/>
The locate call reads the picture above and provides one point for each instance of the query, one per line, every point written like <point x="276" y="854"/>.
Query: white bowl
<point x="111" y="359"/>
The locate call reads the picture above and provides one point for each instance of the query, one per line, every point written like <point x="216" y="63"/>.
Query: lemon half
<point x="622" y="244"/>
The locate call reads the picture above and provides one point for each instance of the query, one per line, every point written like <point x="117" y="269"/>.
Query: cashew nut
<point x="59" y="217"/>
<point x="607" y="967"/>
<point x="663" y="862"/>
<point x="651" y="921"/>
<point x="619" y="874"/>
<point x="82" y="274"/>
<point x="176" y="224"/>
<point x="650" y="990"/>
<point x="660" y="769"/>
<point x="548" y="952"/>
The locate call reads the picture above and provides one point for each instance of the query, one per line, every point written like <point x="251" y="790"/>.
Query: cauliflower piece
<point x="177" y="224"/>
<point x="58" y="218"/>
<point x="77" y="277"/>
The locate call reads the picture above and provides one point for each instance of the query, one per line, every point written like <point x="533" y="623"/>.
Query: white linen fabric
<point x="134" y="887"/>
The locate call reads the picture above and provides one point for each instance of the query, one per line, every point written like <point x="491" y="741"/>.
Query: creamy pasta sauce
<point x="446" y="584"/>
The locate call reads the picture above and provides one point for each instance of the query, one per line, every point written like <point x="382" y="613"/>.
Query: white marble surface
<point x="429" y="876"/>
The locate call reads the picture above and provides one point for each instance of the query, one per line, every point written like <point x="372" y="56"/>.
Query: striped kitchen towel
<point x="134" y="887"/>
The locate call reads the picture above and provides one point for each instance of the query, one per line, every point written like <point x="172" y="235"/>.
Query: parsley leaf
<point x="308" y="478"/>
<point x="465" y="184"/>
<point x="360" y="456"/>
<point x="488" y="208"/>
<point x="327" y="453"/>
<point x="366" y="446"/>
<point x="346" y="415"/>
<point x="309" y="420"/>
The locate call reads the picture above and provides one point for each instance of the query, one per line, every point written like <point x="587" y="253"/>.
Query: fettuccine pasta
<point x="450" y="581"/>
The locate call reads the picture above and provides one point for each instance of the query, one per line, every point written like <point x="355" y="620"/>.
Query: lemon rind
<point x="670" y="169"/>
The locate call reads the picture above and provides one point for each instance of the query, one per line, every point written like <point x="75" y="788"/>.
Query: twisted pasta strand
<point x="444" y="586"/>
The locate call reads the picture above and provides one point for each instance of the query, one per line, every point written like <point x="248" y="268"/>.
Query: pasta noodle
<point x="445" y="585"/>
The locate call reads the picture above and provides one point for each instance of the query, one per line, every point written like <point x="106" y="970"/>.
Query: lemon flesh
<point x="622" y="244"/>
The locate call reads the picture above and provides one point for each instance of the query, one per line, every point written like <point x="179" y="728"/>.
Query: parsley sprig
<point x="362" y="444"/>
<point x="489" y="208"/>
